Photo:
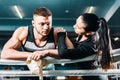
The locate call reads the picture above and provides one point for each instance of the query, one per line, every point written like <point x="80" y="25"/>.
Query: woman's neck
<point x="84" y="37"/>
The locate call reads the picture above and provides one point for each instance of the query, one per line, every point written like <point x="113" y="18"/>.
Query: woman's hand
<point x="59" y="29"/>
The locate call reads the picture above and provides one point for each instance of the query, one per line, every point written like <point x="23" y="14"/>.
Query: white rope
<point x="96" y="72"/>
<point x="11" y="62"/>
<point x="82" y="72"/>
<point x="115" y="52"/>
<point x="58" y="72"/>
<point x="66" y="61"/>
<point x="50" y="60"/>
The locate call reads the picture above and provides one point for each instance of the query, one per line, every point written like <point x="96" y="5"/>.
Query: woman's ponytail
<point x="104" y="44"/>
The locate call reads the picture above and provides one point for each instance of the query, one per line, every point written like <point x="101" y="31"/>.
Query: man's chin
<point x="45" y="35"/>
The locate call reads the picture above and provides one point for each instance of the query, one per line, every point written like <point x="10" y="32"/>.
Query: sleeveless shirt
<point x="31" y="46"/>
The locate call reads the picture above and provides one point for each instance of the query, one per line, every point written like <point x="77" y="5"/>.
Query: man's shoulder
<point x="21" y="33"/>
<point x="22" y="28"/>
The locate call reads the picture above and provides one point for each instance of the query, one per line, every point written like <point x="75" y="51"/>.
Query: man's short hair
<point x="42" y="11"/>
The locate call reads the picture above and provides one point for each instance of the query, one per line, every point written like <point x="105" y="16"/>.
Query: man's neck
<point x="39" y="37"/>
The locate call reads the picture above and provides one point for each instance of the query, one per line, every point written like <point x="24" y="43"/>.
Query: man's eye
<point x="48" y="24"/>
<point x="42" y="24"/>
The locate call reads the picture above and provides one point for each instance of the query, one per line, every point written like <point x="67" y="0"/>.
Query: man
<point x="33" y="39"/>
<point x="39" y="36"/>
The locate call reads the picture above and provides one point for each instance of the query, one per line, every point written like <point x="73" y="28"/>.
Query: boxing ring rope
<point x="50" y="60"/>
<point x="115" y="53"/>
<point x="94" y="72"/>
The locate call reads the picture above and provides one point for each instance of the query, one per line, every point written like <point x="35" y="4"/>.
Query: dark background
<point x="64" y="12"/>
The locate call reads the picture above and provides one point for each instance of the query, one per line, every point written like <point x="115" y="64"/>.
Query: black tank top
<point x="30" y="45"/>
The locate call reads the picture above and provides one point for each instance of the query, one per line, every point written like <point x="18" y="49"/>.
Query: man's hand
<point x="38" y="55"/>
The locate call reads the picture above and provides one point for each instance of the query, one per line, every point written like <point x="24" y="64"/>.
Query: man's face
<point x="42" y="24"/>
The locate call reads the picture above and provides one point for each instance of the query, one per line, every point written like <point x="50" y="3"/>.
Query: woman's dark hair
<point x="99" y="25"/>
<point x="104" y="43"/>
<point x="91" y="20"/>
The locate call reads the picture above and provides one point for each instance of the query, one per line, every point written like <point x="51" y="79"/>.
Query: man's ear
<point x="33" y="23"/>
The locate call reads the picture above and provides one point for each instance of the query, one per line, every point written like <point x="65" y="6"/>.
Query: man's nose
<point x="46" y="26"/>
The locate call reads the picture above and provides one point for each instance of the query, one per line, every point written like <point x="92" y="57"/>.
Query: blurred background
<point x="16" y="13"/>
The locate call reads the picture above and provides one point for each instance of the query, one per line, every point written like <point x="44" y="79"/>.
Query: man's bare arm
<point x="10" y="49"/>
<point x="42" y="54"/>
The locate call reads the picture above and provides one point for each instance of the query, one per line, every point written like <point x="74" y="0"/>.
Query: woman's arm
<point x="73" y="53"/>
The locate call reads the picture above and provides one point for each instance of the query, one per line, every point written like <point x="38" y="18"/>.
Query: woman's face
<point x="80" y="26"/>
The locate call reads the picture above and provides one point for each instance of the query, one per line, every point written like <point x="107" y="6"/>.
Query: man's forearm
<point x="53" y="53"/>
<point x="14" y="54"/>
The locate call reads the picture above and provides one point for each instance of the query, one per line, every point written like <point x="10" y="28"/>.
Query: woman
<point x="87" y="26"/>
